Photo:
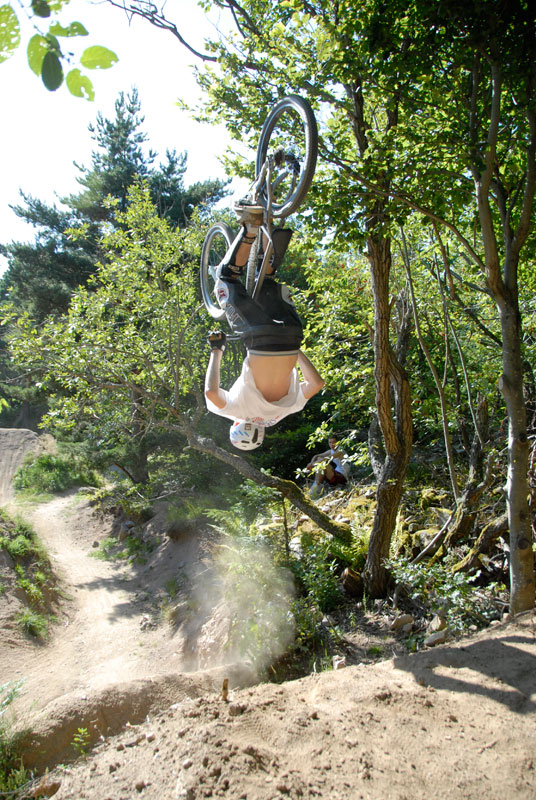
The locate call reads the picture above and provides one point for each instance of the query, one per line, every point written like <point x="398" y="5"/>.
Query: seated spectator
<point x="332" y="467"/>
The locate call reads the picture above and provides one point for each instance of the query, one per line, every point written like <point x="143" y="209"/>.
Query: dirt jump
<point x="126" y="701"/>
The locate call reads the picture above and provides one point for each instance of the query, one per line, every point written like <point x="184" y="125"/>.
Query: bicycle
<point x="284" y="168"/>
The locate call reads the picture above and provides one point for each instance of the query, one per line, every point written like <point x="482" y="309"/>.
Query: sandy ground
<point x="458" y="721"/>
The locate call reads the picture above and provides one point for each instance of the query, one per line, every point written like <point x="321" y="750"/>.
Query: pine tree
<point x="42" y="275"/>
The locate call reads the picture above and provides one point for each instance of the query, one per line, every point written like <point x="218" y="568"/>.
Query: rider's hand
<point x="216" y="340"/>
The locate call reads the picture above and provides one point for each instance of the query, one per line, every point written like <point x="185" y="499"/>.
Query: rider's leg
<point x="253" y="323"/>
<point x="280" y="238"/>
<point x="242" y="312"/>
<point x="251" y="217"/>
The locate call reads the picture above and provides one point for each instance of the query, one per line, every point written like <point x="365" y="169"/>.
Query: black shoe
<point x="229" y="272"/>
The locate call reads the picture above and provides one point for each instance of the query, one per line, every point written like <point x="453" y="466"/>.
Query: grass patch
<point x="33" y="623"/>
<point x="13" y="774"/>
<point x="31" y="573"/>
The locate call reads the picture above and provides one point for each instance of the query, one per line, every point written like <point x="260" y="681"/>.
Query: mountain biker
<point x="269" y="387"/>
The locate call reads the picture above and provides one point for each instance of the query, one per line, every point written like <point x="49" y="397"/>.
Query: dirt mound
<point x="456" y="722"/>
<point x="15" y="444"/>
<point x="102" y="713"/>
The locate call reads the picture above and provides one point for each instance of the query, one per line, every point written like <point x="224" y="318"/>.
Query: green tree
<point x="426" y="108"/>
<point x="127" y="340"/>
<point x="42" y="276"/>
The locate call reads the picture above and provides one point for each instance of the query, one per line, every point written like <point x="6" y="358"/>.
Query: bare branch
<point x="148" y="11"/>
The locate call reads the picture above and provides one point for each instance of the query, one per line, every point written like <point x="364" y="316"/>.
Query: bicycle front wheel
<point x="290" y="134"/>
<point x="217" y="242"/>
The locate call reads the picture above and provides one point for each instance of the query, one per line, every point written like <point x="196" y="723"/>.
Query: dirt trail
<point x="97" y="640"/>
<point x="101" y="638"/>
<point x="111" y="658"/>
<point x="454" y="723"/>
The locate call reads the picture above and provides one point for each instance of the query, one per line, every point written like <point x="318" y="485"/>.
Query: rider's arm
<point x="212" y="380"/>
<point x="312" y="382"/>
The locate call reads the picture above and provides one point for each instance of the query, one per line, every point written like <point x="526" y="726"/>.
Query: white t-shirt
<point x="245" y="403"/>
<point x="341" y="464"/>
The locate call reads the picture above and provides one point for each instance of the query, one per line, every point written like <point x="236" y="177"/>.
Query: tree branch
<point x="288" y="489"/>
<point x="148" y="11"/>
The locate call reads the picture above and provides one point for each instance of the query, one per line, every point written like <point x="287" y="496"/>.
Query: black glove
<point x="216" y="340"/>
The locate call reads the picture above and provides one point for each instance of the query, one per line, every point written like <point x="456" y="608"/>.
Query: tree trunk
<point x="139" y="466"/>
<point x="392" y="389"/>
<point x="388" y="495"/>
<point x="503" y="284"/>
<point x="465" y="512"/>
<point x="522" y="583"/>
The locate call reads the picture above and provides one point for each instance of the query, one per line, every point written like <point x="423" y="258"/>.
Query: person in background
<point x="330" y="467"/>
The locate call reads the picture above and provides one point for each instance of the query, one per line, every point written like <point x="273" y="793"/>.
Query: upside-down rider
<point x="269" y="387"/>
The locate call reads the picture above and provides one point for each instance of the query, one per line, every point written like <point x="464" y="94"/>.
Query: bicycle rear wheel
<point x="216" y="244"/>
<point x="290" y="129"/>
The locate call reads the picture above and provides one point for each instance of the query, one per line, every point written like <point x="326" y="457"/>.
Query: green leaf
<point x="37" y="49"/>
<point x="9" y="32"/>
<point x="41" y="8"/>
<point x="57" y="5"/>
<point x="53" y="43"/>
<point x="74" y="29"/>
<point x="52" y="72"/>
<point x="79" y="85"/>
<point x="98" y="57"/>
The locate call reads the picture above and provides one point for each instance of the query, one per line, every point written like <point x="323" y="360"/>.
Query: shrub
<point x="19" y="547"/>
<point x="33" y="592"/>
<point x="259" y="595"/>
<point x="132" y="549"/>
<point x="450" y="593"/>
<point x="49" y="474"/>
<point x="318" y="577"/>
<point x="130" y="500"/>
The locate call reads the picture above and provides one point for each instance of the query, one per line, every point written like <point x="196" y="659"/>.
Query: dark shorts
<point x="270" y="323"/>
<point x="338" y="477"/>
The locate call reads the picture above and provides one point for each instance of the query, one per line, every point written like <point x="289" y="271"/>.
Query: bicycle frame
<point x="266" y="230"/>
<point x="282" y="180"/>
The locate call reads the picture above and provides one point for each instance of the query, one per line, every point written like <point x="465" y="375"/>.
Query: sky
<point x="42" y="133"/>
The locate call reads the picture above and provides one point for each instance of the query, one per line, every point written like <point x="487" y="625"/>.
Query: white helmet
<point x="246" y="435"/>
